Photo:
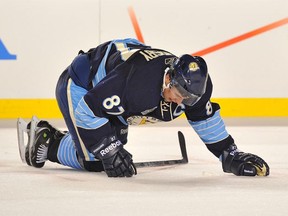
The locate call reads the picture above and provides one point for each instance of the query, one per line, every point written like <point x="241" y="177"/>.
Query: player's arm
<point x="93" y="119"/>
<point x="121" y="128"/>
<point x="205" y="119"/>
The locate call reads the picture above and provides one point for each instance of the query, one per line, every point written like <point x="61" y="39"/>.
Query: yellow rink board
<point x="230" y="107"/>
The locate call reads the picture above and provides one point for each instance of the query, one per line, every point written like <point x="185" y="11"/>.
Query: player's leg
<point x="54" y="145"/>
<point x="68" y="96"/>
<point x="44" y="143"/>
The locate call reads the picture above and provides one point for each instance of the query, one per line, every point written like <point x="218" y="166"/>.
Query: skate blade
<point x="33" y="128"/>
<point x="21" y="128"/>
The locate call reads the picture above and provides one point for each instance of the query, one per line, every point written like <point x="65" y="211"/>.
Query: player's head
<point x="189" y="76"/>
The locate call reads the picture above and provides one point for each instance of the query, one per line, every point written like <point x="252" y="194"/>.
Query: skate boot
<point x="36" y="153"/>
<point x="41" y="137"/>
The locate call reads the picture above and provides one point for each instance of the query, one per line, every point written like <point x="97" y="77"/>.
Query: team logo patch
<point x="193" y="66"/>
<point x="169" y="61"/>
<point x="140" y="120"/>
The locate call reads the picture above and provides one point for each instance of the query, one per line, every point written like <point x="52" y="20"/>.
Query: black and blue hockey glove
<point x="117" y="162"/>
<point x="243" y="164"/>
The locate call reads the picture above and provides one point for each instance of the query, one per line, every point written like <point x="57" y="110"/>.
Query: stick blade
<point x="183" y="149"/>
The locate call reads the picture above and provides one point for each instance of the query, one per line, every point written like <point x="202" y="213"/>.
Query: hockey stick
<point x="22" y="127"/>
<point x="184" y="159"/>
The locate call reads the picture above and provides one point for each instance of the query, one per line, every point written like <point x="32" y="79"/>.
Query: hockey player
<point x="124" y="82"/>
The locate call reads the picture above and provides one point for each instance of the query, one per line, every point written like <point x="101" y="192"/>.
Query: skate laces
<point x="42" y="153"/>
<point x="42" y="149"/>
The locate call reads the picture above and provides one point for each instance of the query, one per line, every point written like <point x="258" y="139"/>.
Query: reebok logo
<point x="111" y="147"/>
<point x="123" y="131"/>
<point x="248" y="171"/>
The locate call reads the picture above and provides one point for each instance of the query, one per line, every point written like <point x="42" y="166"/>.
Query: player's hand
<point x="120" y="165"/>
<point x="243" y="164"/>
<point x="117" y="162"/>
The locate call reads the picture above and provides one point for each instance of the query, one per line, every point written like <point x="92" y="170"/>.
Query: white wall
<point x="47" y="34"/>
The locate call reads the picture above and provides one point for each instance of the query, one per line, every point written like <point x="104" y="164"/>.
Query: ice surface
<point x="198" y="188"/>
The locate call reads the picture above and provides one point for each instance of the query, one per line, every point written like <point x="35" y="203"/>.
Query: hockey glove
<point x="243" y="164"/>
<point x="117" y="162"/>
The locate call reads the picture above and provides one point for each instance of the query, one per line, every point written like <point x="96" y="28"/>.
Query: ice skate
<point x="39" y="149"/>
<point x="40" y="135"/>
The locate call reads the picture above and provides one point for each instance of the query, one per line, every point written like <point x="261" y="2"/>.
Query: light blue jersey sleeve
<point x="86" y="119"/>
<point x="211" y="130"/>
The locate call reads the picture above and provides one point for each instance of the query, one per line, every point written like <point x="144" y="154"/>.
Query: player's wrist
<point x="107" y="147"/>
<point x="110" y="150"/>
<point x="228" y="156"/>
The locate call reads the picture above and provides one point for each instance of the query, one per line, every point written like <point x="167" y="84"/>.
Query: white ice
<point x="198" y="188"/>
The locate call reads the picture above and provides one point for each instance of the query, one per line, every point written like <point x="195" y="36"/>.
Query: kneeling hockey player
<point x="124" y="82"/>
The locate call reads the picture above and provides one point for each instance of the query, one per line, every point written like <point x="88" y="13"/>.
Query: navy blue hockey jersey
<point x="120" y="83"/>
